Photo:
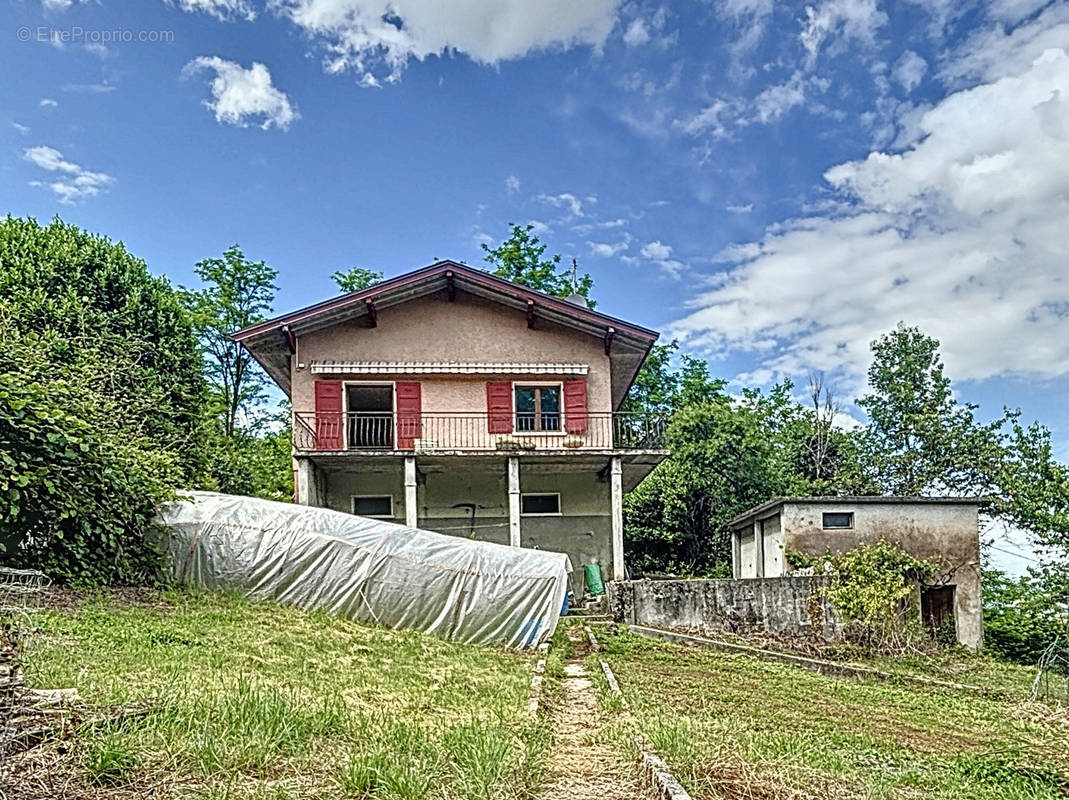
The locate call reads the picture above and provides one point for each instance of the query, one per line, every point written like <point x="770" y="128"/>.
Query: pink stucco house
<point x="452" y="400"/>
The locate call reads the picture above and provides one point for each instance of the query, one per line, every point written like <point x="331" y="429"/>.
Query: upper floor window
<point x="838" y="520"/>
<point x="538" y="408"/>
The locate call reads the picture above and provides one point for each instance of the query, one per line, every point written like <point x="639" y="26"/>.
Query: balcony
<point x="473" y="432"/>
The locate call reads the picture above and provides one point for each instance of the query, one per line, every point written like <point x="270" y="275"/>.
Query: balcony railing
<point x="475" y="431"/>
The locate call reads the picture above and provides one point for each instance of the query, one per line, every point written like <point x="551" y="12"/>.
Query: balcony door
<point x="370" y="417"/>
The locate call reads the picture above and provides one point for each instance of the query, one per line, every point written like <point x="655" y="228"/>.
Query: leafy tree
<point x="721" y="464"/>
<point x="521" y="259"/>
<point x="255" y="463"/>
<point x="1022" y="617"/>
<point x="101" y="402"/>
<point x="919" y="440"/>
<point x="355" y="278"/>
<point x="656" y="386"/>
<point x="237" y="293"/>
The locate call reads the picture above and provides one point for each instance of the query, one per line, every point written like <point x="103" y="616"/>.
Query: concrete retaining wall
<point x="789" y="606"/>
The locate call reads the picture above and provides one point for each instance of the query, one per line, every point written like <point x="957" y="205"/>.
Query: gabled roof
<point x="770" y="506"/>
<point x="271" y="341"/>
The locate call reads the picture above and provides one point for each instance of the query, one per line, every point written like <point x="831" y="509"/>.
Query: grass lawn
<point x="252" y="700"/>
<point x="955" y="664"/>
<point x="732" y="726"/>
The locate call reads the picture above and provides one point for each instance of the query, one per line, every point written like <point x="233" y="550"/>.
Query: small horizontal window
<point x="373" y="506"/>
<point x="838" y="519"/>
<point x="540" y="504"/>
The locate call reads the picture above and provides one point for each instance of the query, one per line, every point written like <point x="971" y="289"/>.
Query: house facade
<point x="941" y="530"/>
<point x="452" y="400"/>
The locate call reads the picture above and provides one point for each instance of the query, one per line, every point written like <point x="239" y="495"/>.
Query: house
<point x="455" y="401"/>
<point x="941" y="530"/>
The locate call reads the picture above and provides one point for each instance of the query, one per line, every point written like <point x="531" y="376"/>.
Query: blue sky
<point x="774" y="184"/>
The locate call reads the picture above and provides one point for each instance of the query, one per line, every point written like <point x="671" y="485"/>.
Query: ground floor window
<point x="373" y="505"/>
<point x="534" y="504"/>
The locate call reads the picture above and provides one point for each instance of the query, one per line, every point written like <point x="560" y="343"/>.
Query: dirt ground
<point x="584" y="761"/>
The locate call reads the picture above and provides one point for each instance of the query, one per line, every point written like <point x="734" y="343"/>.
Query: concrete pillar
<point x="411" y="515"/>
<point x="306" y="482"/>
<point x="616" y="499"/>
<point x="759" y="548"/>
<point x="736" y="554"/>
<point x="514" y="501"/>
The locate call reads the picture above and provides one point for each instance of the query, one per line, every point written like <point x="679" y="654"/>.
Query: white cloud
<point x="566" y="200"/>
<point x="1013" y="11"/>
<point x="89" y="88"/>
<point x="775" y="101"/>
<point x="512" y="184"/>
<point x="637" y="33"/>
<point x="56" y="5"/>
<point x="23" y="129"/>
<point x="714" y="120"/>
<point x="660" y="254"/>
<point x="850" y="21"/>
<point x="735" y="208"/>
<point x="963" y="235"/>
<point x="220" y="9"/>
<point x="993" y="52"/>
<point x="48" y="102"/>
<point x="241" y="95"/>
<point x="749" y="18"/>
<point x="656" y="251"/>
<point x="719" y="119"/>
<point x="72" y="182"/>
<point x="369" y="36"/>
<point x="609" y="249"/>
<point x="909" y="70"/>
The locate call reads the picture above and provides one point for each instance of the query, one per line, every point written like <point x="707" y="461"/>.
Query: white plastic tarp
<point x="365" y="569"/>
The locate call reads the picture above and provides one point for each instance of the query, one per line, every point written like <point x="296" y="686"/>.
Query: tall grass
<point x="258" y="702"/>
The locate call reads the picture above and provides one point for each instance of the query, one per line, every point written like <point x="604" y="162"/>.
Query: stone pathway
<point x="584" y="763"/>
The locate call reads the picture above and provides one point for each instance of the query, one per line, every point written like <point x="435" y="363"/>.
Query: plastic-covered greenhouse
<point x="365" y="569"/>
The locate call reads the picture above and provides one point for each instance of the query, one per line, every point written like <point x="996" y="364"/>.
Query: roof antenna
<point x="575" y="297"/>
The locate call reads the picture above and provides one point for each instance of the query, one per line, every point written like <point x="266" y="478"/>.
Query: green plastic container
<point x="593" y="580"/>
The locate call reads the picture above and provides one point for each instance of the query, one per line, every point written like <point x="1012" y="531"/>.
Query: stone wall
<point x="790" y="606"/>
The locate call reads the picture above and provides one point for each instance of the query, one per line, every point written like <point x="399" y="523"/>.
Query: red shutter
<point x="575" y="406"/>
<point x="409" y="407"/>
<point x="499" y="407"/>
<point x="329" y="416"/>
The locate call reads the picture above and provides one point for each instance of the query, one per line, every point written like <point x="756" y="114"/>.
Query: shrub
<point x="1021" y="618"/>
<point x="101" y="403"/>
<point x="872" y="587"/>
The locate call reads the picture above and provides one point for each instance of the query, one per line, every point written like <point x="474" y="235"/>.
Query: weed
<point x="108" y="757"/>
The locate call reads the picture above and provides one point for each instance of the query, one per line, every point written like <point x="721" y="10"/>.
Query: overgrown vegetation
<point x="731" y="451"/>
<point x="116" y="390"/>
<point x="734" y="726"/>
<point x="101" y="401"/>
<point x="255" y="700"/>
<point x="1022" y="617"/>
<point x="872" y="587"/>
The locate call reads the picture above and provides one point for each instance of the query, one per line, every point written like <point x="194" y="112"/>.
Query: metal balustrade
<point x="474" y="431"/>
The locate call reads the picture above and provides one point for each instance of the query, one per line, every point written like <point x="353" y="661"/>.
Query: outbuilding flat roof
<point x="854" y="500"/>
